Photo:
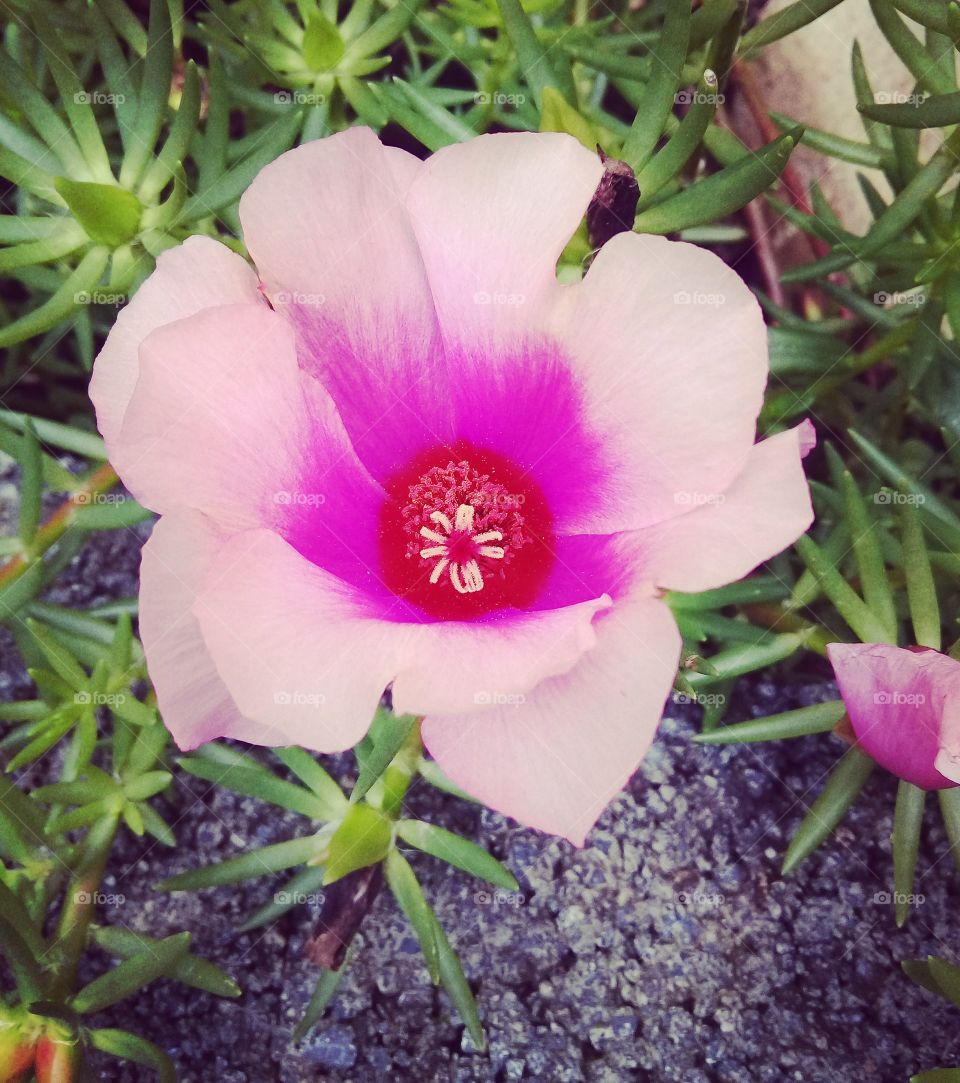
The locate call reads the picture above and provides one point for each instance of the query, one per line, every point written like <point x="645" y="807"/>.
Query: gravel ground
<point x="668" y="949"/>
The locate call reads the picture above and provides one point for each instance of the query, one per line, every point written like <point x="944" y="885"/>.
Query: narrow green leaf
<point x="31" y="485"/>
<point x="659" y="94"/>
<point x="260" y="784"/>
<point x="363" y="838"/>
<point x="407" y="891"/>
<point x="908" y="47"/>
<point x="154" y="94"/>
<point x="322" y="46"/>
<point x="845" y="781"/>
<point x="388" y="733"/>
<point x="721" y="194"/>
<point x="950" y="810"/>
<point x="535" y="65"/>
<point x="783" y="22"/>
<point x="324" y="992"/>
<point x="315" y="778"/>
<point x="818" y="718"/>
<point x="307" y="882"/>
<point x="455" y="983"/>
<point x="845" y="599"/>
<point x="937" y="1075"/>
<point x="457" y="851"/>
<point x="907" y="820"/>
<point x="268" y="859"/>
<point x="921" y="590"/>
<point x="25" y="968"/>
<point x="120" y="1043"/>
<point x="947" y="977"/>
<point x="866" y="547"/>
<point x="158" y="960"/>
<point x="190" y="970"/>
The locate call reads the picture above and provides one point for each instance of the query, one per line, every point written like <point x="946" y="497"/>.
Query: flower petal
<point x="553" y="759"/>
<point x="766" y="509"/>
<point x="224" y="421"/>
<point x="327" y="227"/>
<point x="492" y="216"/>
<point x="199" y="273"/>
<point x="456" y="667"/>
<point x="294" y="645"/>
<point x="671" y="348"/>
<point x="896" y="700"/>
<point x="194" y="703"/>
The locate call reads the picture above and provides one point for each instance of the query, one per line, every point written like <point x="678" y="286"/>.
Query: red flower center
<point x="464" y="532"/>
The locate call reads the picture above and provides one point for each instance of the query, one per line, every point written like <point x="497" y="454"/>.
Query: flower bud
<point x="17" y="1040"/>
<point x="57" y="1058"/>
<point x="904" y="707"/>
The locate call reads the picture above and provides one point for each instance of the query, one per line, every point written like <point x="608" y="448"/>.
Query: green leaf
<point x="937" y="111"/>
<point x="120" y="1043"/>
<point x="921" y="590"/>
<point x="315" y="778"/>
<point x="947" y="977"/>
<point x="455" y="983"/>
<point x="261" y="784"/>
<point x="31" y="485"/>
<point x="154" y="94"/>
<point x="407" y="891"/>
<point x="866" y="547"/>
<point x="323" y="46"/>
<point x="109" y="214"/>
<point x="324" y="992"/>
<point x="659" y="94"/>
<point x="457" y="851"/>
<point x="845" y="781"/>
<point x="267" y="859"/>
<point x="907" y="821"/>
<point x="24" y="967"/>
<point x="190" y="970"/>
<point x="132" y="975"/>
<point x="558" y="115"/>
<point x="388" y="732"/>
<point x="937" y="1075"/>
<point x="783" y="22"/>
<point x="950" y="810"/>
<point x="535" y="65"/>
<point x="818" y="718"/>
<point x="306" y="882"/>
<point x="847" y="602"/>
<point x="722" y="193"/>
<point x="363" y="838"/>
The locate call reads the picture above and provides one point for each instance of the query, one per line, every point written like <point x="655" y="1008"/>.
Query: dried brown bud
<point x="614" y="204"/>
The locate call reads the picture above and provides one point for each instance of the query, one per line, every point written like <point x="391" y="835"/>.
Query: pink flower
<point x="904" y="706"/>
<point x="401" y="454"/>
